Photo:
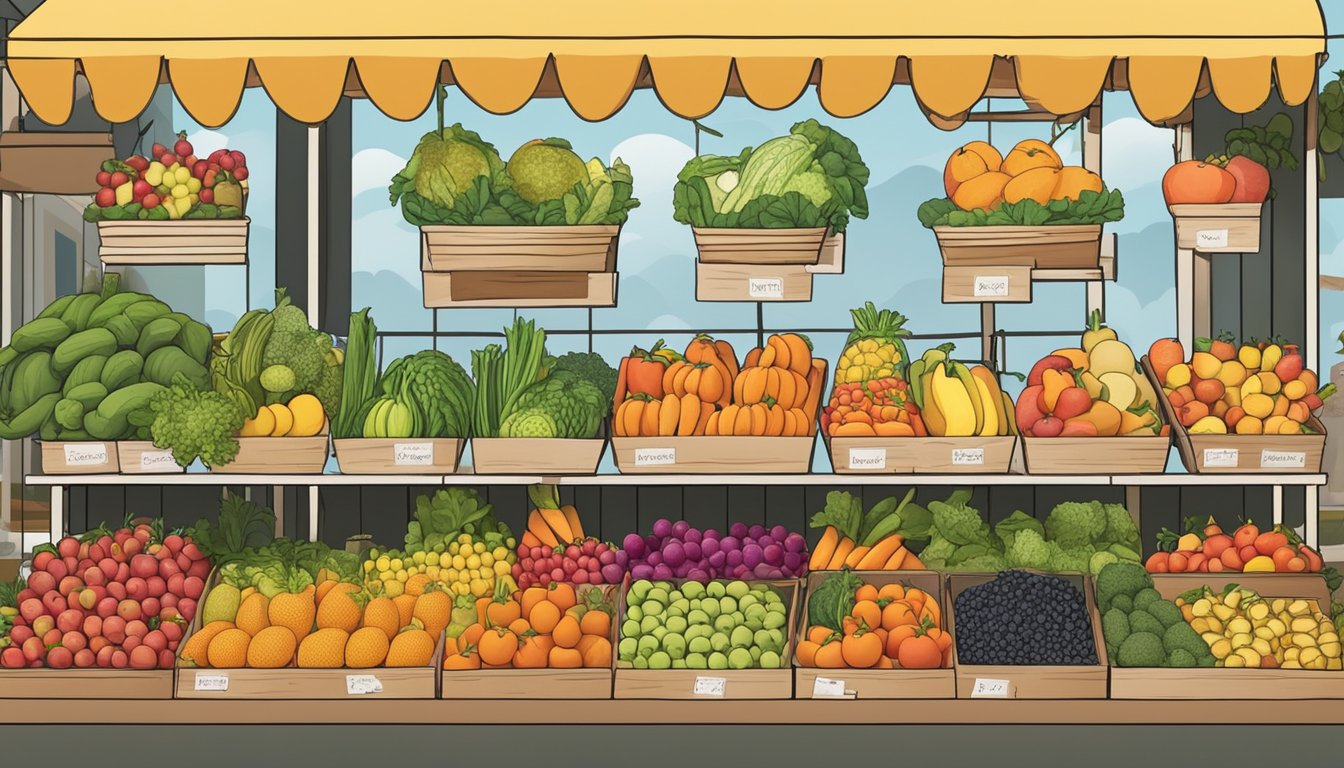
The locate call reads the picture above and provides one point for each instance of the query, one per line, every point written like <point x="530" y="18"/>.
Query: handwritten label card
<point x="867" y="458"/>
<point x="212" y="682"/>
<point x="655" y="457"/>
<point x="1221" y="457"/>
<point x="989" y="688"/>
<point x="85" y="454"/>
<point x="1282" y="460"/>
<point x="966" y="457"/>
<point x="710" y="686"/>
<point x="825" y="688"/>
<point x="1210" y="238"/>
<point x="158" y="461"/>
<point x="413" y="454"/>
<point x="358" y="685"/>
<point x="991" y="286"/>
<point x="765" y="287"/>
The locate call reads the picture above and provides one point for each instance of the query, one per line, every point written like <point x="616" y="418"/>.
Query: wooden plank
<point x="546" y="456"/>
<point x="1225" y="228"/>
<point x="83" y="458"/>
<point x="392" y="456"/>
<point x="518" y="290"/>
<point x="1003" y="284"/>
<point x="1086" y="455"/>
<point x="556" y="248"/>
<point x="183" y="241"/>
<point x="140" y="457"/>
<point x="759" y="246"/>
<point x="1052" y="247"/>
<point x="928" y="455"/>
<point x="278" y="455"/>
<point x="832" y="259"/>
<point x="712" y="454"/>
<point x="51" y="162"/>
<point x="527" y="684"/>
<point x="752" y="282"/>
<point x="94" y="683"/>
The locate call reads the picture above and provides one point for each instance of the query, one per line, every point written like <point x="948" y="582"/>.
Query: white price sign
<point x="413" y="454"/>
<point x="867" y="458"/>
<point x="1211" y="238"/>
<point x="765" y="287"/>
<point x="1282" y="460"/>
<point x="1221" y="457"/>
<point x="989" y="688"/>
<point x="655" y="457"/>
<point x="358" y="685"/>
<point x="991" y="286"/>
<point x="158" y="461"/>
<point x="825" y="688"/>
<point x="85" y="454"/>
<point x="710" y="686"/>
<point x="212" y="682"/>
<point x="967" y="457"/>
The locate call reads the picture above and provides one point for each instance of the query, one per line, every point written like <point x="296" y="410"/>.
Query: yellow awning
<point x="308" y="53"/>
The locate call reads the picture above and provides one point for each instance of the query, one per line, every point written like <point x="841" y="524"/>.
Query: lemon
<point x="402" y="576"/>
<point x="499" y="553"/>
<point x="394" y="588"/>
<point x="464" y="538"/>
<point x="459" y="562"/>
<point x="431" y="559"/>
<point x="474" y="562"/>
<point x="501" y="568"/>
<point x="384" y="563"/>
<point x="478" y="547"/>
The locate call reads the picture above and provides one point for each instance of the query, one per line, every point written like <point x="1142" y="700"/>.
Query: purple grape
<point x="681" y="570"/>
<point x="674" y="554"/>
<point x="662" y="528"/>
<point x="709" y="547"/>
<point x="680" y="528"/>
<point x="607" y="557"/>
<point x="634" y="544"/>
<point x="729" y="543"/>
<point x="623" y="558"/>
<point x="737" y="530"/>
<point x="762" y="571"/>
<point x="792" y="560"/>
<point x="712" y="533"/>
<point x="734" y="558"/>
<point x="773" y="554"/>
<point x="779" y="533"/>
<point x="654" y="558"/>
<point x="611" y="573"/>
<point x="693" y="536"/>
<point x="652" y="543"/>
<point x="697" y="574"/>
<point x="775" y="573"/>
<point x="740" y="571"/>
<point x="693" y="550"/>
<point x="766" y="541"/>
<point x="752" y="555"/>
<point x="718" y="560"/>
<point x="794" y="542"/>
<point x="641" y="571"/>
<point x="756" y="531"/>
<point x="661" y="572"/>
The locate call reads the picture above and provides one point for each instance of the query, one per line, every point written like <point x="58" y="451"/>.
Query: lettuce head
<point x="445" y="165"/>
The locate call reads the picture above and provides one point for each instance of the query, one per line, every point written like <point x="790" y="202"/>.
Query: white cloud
<point x="655" y="160"/>
<point x="372" y="169"/>
<point x="1135" y="152"/>
<point x="670" y="322"/>
<point x="206" y="141"/>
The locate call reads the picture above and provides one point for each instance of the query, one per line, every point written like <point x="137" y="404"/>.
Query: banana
<point x="963" y="374"/>
<point x="915" y="375"/>
<point x="954" y="404"/>
<point x="1009" y="411"/>
<point x="934" y="420"/>
<point x="992" y="396"/>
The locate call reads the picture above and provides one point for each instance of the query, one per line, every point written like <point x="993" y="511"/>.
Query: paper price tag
<point x="358" y="685"/>
<point x="989" y="688"/>
<point x="966" y="457"/>
<point x="867" y="458"/>
<point x="655" y="457"/>
<point x="709" y="686"/>
<point x="413" y="454"/>
<point x="212" y="682"/>
<point x="158" y="461"/>
<point x="1211" y="238"/>
<point x="1221" y="457"/>
<point x="85" y="454"/>
<point x="1282" y="460"/>
<point x="765" y="287"/>
<point x="824" y="688"/>
<point x="991" y="286"/>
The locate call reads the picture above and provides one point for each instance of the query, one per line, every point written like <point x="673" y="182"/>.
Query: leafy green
<point x="575" y="405"/>
<point x="833" y="599"/>
<point x="503" y="373"/>
<point x="1008" y="528"/>
<point x="445" y="164"/>
<point x="843" y="511"/>
<point x="436" y="388"/>
<point x="591" y="367"/>
<point x="242" y="524"/>
<point x="194" y="423"/>
<point x="359" y="377"/>
<point x="304" y="350"/>
<point x="450" y="512"/>
<point x="1270" y="145"/>
<point x="1090" y="208"/>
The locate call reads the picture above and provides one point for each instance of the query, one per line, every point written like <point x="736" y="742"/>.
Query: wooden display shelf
<point x="920" y="455"/>
<point x="140" y="457"/>
<point x="519" y="289"/>
<point x="91" y="684"/>
<point x="532" y="455"/>
<point x="398" y="456"/>
<point x="753" y="282"/>
<point x="713" y="453"/>
<point x="93" y="457"/>
<point x="183" y="241"/>
<point x="281" y="455"/>
<point x="1083" y="455"/>
<point x="759" y="246"/>
<point x="1070" y="246"/>
<point x="52" y="162"/>
<point x="1224" y="228"/>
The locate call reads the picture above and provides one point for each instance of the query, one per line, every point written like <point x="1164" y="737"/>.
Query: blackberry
<point x="1022" y="618"/>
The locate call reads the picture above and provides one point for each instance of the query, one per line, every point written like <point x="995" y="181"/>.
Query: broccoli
<point x="1115" y="626"/>
<point x="958" y="523"/>
<point x="192" y="423"/>
<point x="1008" y="528"/>
<point x="1076" y="523"/>
<point x="1123" y="602"/>
<point x="528" y="422"/>
<point x="1180" y="658"/>
<point x="1182" y="637"/>
<point x="1120" y="579"/>
<point x="1064" y="560"/>
<point x="1141" y="649"/>
<point x="306" y="352"/>
<point x="1146" y="597"/>
<point x="1028" y="550"/>
<point x="1100" y="560"/>
<point x="1206" y="661"/>
<point x="1120" y="528"/>
<point x="991" y="562"/>
<point x="590" y="366"/>
<point x="277" y="378"/>
<point x="1143" y="621"/>
<point x="1166" y="612"/>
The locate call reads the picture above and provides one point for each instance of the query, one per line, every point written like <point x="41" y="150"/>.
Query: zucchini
<point x="85" y="371"/>
<point x="122" y="327"/>
<point x="195" y="339"/>
<point x="49" y="428"/>
<point x="110" y="421"/>
<point x="157" y="333"/>
<point x="164" y="362"/>
<point x="73" y="435"/>
<point x="115" y="306"/>
<point x="77" y="314"/>
<point x="31" y="419"/>
<point x="55" y="308"/>
<point x="88" y="395"/>
<point x="33" y="379"/>
<point x="121" y="369"/>
<point x="141" y="312"/>
<point x="42" y="333"/>
<point x="69" y="413"/>
<point x="94" y="341"/>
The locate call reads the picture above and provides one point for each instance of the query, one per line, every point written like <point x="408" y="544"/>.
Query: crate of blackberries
<point x="1026" y="635"/>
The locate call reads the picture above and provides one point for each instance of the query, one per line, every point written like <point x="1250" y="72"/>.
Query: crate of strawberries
<point x="172" y="207"/>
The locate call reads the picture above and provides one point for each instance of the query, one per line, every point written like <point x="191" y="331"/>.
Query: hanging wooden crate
<point x="762" y="264"/>
<point x="832" y="258"/>
<point x="1008" y="681"/>
<point x="1287" y="454"/>
<point x="920" y="455"/>
<point x="1096" y="455"/>
<point x="553" y="266"/>
<point x="537" y="455"/>
<point x="52" y="162"/>
<point x="1221" y="228"/>
<point x="279" y="456"/>
<point x="752" y="282"/>
<point x="140" y="457"/>
<point x="999" y="284"/>
<point x="876" y="683"/>
<point x="1204" y="683"/>
<point x="1069" y="246"/>
<point x="759" y="246"/>
<point x="183" y="241"/>
<point x="398" y="455"/>
<point x="79" y="458"/>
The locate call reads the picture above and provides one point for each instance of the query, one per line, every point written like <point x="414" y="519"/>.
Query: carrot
<point x="821" y="554"/>
<point x="537" y="527"/>
<point x="880" y="553"/>
<point x="897" y="559"/>
<point x="855" y="555"/>
<point x="530" y="540"/>
<point x="556" y="520"/>
<point x="572" y="517"/>
<point x="912" y="562"/>
<point x="842" y="551"/>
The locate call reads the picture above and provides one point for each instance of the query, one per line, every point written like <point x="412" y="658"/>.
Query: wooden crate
<point x="79" y="458"/>
<point x="999" y="284"/>
<point x="920" y="455"/>
<point x="399" y="455"/>
<point x="1274" y="454"/>
<point x="879" y="683"/>
<point x="1225" y="228"/>
<point x="584" y="683"/>
<point x="1095" y="455"/>
<point x="539" y="249"/>
<point x="832" y="259"/>
<point x="1233" y="683"/>
<point x="52" y="162"/>
<point x="184" y="241"/>
<point x="759" y="246"/>
<point x="713" y="454"/>
<point x="279" y="456"/>
<point x="1070" y="246"/>
<point x="91" y="683"/>
<point x="537" y="455"/>
<point x="1026" y="682"/>
<point x="519" y="289"/>
<point x="735" y="683"/>
<point x="752" y="282"/>
<point x="140" y="457"/>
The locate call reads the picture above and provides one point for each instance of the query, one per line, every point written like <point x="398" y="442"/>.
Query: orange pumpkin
<point x="707" y="381"/>
<point x="789" y="351"/>
<point x="770" y="385"/>
<point x="498" y="646"/>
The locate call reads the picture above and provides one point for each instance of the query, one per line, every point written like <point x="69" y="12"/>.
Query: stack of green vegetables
<point x="1077" y="537"/>
<point x="426" y="394"/>
<point x="89" y="365"/>
<point x="1090" y="208"/>
<point x="455" y="177"/>
<point x="813" y="177"/>
<point x="450" y="512"/>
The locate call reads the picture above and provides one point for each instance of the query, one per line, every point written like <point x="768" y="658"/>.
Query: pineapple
<point x="875" y="348"/>
<point x="323" y="649"/>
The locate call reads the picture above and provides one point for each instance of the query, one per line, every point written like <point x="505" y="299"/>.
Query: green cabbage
<point x="574" y="405"/>
<point x="445" y="165"/>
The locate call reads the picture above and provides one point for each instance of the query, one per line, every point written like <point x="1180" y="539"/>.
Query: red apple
<point x="114" y="629"/>
<point x="144" y="566"/>
<point x="60" y="657"/>
<point x="74" y="641"/>
<point x="107" y="607"/>
<point x="103" y="179"/>
<point x="116" y="590"/>
<point x="1252" y="180"/>
<point x="156" y="586"/>
<point x="137" y="588"/>
<point x="92" y="626"/>
<point x="41" y="582"/>
<point x="137" y="628"/>
<point x="150" y="606"/>
<point x="68" y="546"/>
<point x="85" y="658"/>
<point x="54" y="603"/>
<point x="69" y="584"/>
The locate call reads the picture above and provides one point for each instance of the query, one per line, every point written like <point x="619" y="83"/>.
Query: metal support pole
<point x="313" y="500"/>
<point x="1185" y="258"/>
<point x="57" y="512"/>
<point x="1091" y="133"/>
